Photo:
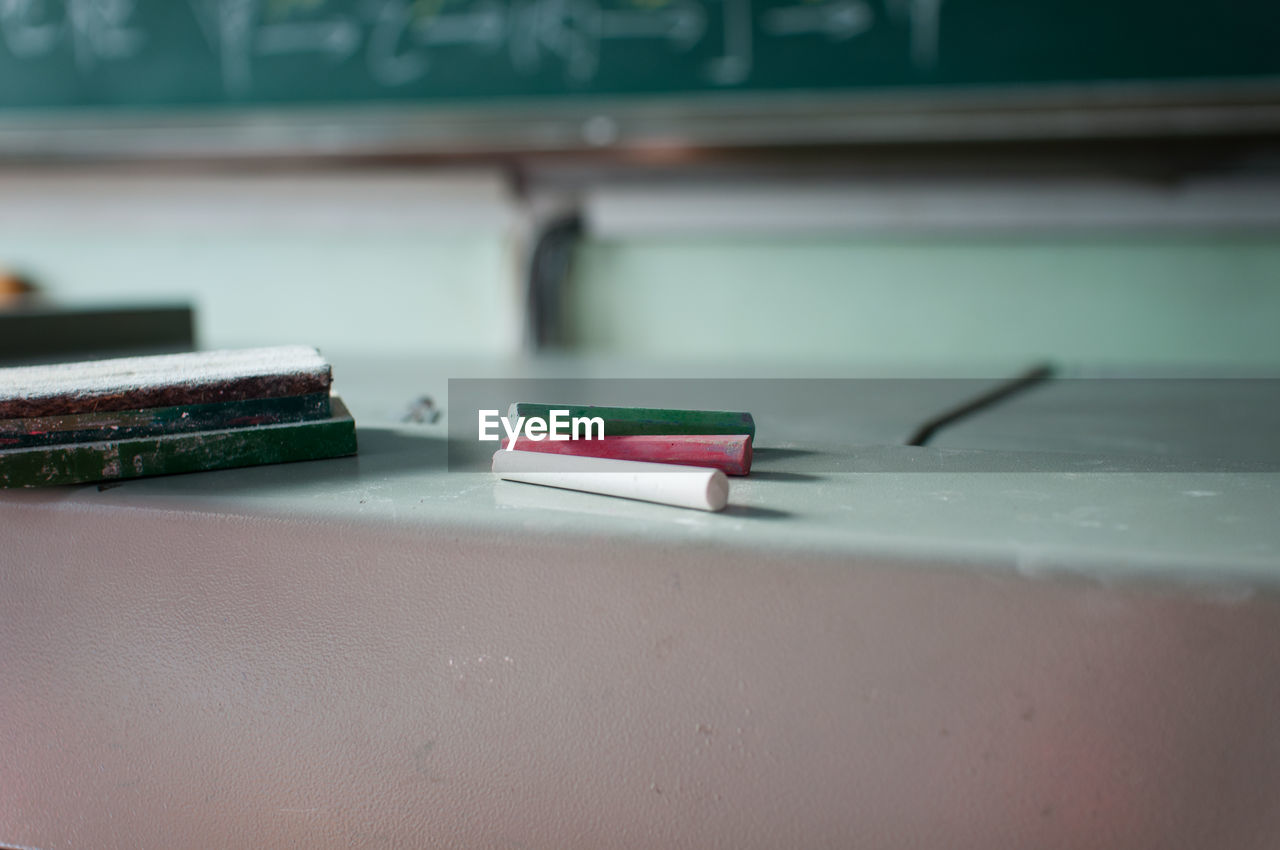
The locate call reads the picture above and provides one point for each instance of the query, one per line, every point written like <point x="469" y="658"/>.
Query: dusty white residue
<point x="1027" y="495"/>
<point x="111" y="468"/>
<point x="1082" y="517"/>
<point x="481" y="668"/>
<point x="461" y="492"/>
<point x="1201" y="494"/>
<point x="1229" y="595"/>
<point x="1031" y="563"/>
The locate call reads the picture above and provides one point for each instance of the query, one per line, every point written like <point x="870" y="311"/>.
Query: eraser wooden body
<point x="667" y="484"/>
<point x="629" y="421"/>
<point x="729" y="453"/>
<point x="74" y="463"/>
<point x="152" y="421"/>
<point x="140" y="416"/>
<point x="166" y="380"/>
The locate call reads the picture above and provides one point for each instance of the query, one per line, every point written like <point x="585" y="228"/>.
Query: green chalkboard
<point x="160" y="54"/>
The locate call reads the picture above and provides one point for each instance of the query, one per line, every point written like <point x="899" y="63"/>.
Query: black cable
<point x="997" y="394"/>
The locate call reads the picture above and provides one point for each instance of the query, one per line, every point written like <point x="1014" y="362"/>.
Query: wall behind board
<point x="883" y="273"/>
<point x="387" y="262"/>
<point x="935" y="272"/>
<point x="1207" y="300"/>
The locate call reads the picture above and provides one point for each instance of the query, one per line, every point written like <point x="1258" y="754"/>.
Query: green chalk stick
<point x="115" y="425"/>
<point x="194" y="451"/>
<point x="630" y="421"/>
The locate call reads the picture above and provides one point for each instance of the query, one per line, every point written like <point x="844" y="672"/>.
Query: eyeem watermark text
<point x="558" y="426"/>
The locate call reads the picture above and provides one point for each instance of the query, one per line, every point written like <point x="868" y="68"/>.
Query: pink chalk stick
<point x="730" y="453"/>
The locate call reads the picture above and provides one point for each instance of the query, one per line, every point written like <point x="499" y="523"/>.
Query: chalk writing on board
<point x="101" y="30"/>
<point x="401" y="41"/>
<point x="389" y="62"/>
<point x="483" y="24"/>
<point x="339" y="37"/>
<point x="97" y="30"/>
<point x="29" y="29"/>
<point x="228" y="27"/>
<point x="839" y="20"/>
<point x="923" y="18"/>
<point x="733" y="66"/>
<point x="574" y="32"/>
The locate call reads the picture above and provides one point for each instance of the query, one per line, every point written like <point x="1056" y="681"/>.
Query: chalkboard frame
<point x="1199" y="108"/>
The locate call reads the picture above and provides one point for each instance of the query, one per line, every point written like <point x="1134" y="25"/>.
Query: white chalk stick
<point x="664" y="483"/>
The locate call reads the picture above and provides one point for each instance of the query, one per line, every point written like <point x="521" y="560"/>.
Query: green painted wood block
<point x="195" y="451"/>
<point x="630" y="421"/>
<point x="116" y="425"/>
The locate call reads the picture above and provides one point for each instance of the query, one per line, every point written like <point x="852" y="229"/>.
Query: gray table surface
<point x="1114" y="479"/>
